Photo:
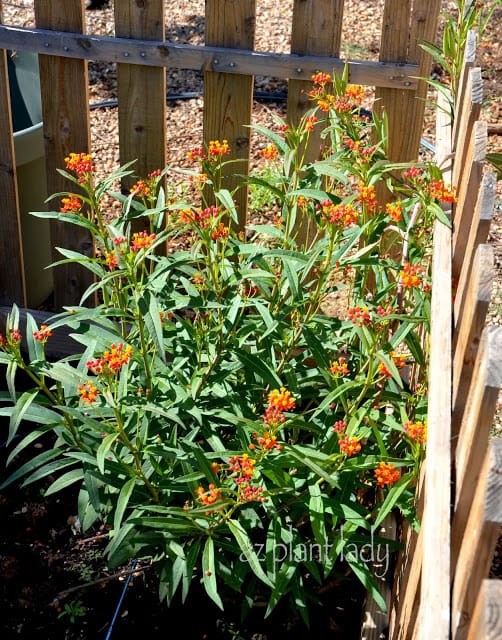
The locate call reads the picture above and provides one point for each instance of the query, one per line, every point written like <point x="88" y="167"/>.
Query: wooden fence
<point x="229" y="64"/>
<point x="440" y="590"/>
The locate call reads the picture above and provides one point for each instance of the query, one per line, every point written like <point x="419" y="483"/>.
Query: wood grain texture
<point x="434" y="618"/>
<point x="232" y="60"/>
<point x="228" y="98"/>
<point x="487" y="617"/>
<point x="480" y="227"/>
<point x="469" y="111"/>
<point x="405" y="110"/>
<point x="141" y="92"/>
<point x="64" y="86"/>
<point x="468" y="329"/>
<point x="468" y="189"/>
<point x="464" y="81"/>
<point x="473" y="547"/>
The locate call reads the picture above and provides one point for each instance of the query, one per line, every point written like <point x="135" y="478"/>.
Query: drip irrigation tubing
<point x="121" y="600"/>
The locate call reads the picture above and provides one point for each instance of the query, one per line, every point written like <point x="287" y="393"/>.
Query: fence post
<point x="228" y="98"/>
<point x="64" y="88"/>
<point x="405" y="25"/>
<point x="12" y="285"/>
<point x="141" y="91"/>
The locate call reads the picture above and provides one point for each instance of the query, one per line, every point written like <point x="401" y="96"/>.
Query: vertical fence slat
<point x="405" y="25"/>
<point x="467" y="333"/>
<point x="480" y="228"/>
<point x="12" y="285"/>
<point x="469" y="111"/>
<point x="228" y="98"/>
<point x="475" y="546"/>
<point x="316" y="30"/>
<point x="464" y="81"/>
<point x="468" y="184"/>
<point x="141" y="90"/>
<point x="64" y="88"/>
<point x="487" y="617"/>
<point x="477" y="421"/>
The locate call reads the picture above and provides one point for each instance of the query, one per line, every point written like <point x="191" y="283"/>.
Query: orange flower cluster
<point x="394" y="210"/>
<point x="196" y="155"/>
<point x="310" y="123"/>
<point x="360" y="150"/>
<point x="209" y="497"/>
<point x="270" y="152"/>
<point x="112" y="259"/>
<point x="88" y="392"/>
<point x="220" y="232"/>
<point x="281" y="399"/>
<point x="349" y="446"/>
<point x="217" y="148"/>
<point x="71" y="204"/>
<point x="112" y="360"/>
<point x="341" y="214"/>
<point x="360" y="316"/>
<point x="201" y="217"/>
<point x="417" y="431"/>
<point x="386" y="474"/>
<point x="80" y="163"/>
<point x="42" y="334"/>
<point x="367" y="195"/>
<point x="339" y="367"/>
<point x="321" y="78"/>
<point x="443" y="192"/>
<point x="142" y="240"/>
<point x="412" y="275"/>
<point x="14" y="339"/>
<point x="140" y="188"/>
<point x="244" y="466"/>
<point x="399" y="360"/>
<point x="267" y="440"/>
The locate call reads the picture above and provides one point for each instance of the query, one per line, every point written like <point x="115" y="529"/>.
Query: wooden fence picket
<point x="64" y="87"/>
<point x="486" y="621"/>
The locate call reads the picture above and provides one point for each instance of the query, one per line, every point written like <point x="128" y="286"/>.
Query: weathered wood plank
<point x="141" y="92"/>
<point x="64" y="86"/>
<point x="468" y="188"/>
<point x="464" y="81"/>
<point x="405" y="110"/>
<point x="473" y="546"/>
<point x="228" y="99"/>
<point x="12" y="285"/>
<point x="480" y="228"/>
<point x="232" y="60"/>
<point x="478" y="414"/>
<point x="468" y="329"/>
<point x="468" y="114"/>
<point x="434" y="617"/>
<point x="487" y="617"/>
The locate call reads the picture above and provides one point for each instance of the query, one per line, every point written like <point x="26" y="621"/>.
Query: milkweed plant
<point x="264" y="388"/>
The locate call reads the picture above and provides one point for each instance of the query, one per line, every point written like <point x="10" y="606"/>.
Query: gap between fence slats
<point x="476" y="544"/>
<point x="64" y="87"/>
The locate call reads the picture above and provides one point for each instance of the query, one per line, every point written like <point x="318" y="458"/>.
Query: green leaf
<point x="103" y="449"/>
<point x="395" y="492"/>
<point x="31" y="465"/>
<point x="208" y="573"/>
<point x="363" y="573"/>
<point x="122" y="502"/>
<point x="316" y="510"/>
<point x="256" y="365"/>
<point x="246" y="547"/>
<point x="65" y="481"/>
<point x="21" y="407"/>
